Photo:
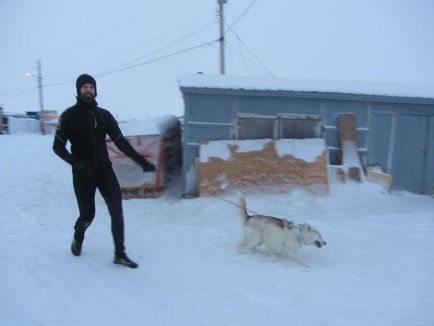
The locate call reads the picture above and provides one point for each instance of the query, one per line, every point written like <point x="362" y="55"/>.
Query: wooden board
<point x="261" y="169"/>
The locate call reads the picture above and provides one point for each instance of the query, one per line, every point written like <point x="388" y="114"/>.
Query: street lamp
<point x="41" y="97"/>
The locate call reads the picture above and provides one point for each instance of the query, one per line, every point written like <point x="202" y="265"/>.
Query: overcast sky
<point x="359" y="40"/>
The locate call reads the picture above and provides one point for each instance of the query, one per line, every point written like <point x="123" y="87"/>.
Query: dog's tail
<point x="242" y="207"/>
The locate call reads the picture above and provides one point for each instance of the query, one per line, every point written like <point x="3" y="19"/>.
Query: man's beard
<point x="87" y="97"/>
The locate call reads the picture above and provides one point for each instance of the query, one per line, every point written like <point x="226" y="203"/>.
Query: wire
<point x="67" y="81"/>
<point x="250" y="51"/>
<point x="209" y="43"/>
<point x="257" y="59"/>
<point x="137" y="16"/>
<point x="253" y="64"/>
<point x="97" y="38"/>
<point x="13" y="95"/>
<point x="230" y="28"/>
<point x="139" y="61"/>
<point x="132" y="66"/>
<point x="162" y="36"/>
<point x="55" y="79"/>
<point x="25" y="98"/>
<point x="14" y="89"/>
<point x="164" y="47"/>
<point x="236" y="21"/>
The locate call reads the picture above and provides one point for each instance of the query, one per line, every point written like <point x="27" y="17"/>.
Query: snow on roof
<point x="156" y="126"/>
<point x="305" y="85"/>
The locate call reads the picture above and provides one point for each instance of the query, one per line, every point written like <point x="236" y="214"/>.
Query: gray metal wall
<point x="395" y="133"/>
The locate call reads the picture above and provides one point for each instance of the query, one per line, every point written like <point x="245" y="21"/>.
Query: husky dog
<point x="281" y="236"/>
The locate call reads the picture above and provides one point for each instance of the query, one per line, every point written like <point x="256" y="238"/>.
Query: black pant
<point x="85" y="187"/>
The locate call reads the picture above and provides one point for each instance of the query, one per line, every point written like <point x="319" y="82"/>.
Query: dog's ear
<point x="305" y="227"/>
<point x="287" y="224"/>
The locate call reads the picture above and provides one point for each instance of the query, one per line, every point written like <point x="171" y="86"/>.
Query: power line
<point x="162" y="36"/>
<point x="139" y="61"/>
<point x="26" y="90"/>
<point x="132" y="66"/>
<point x="209" y="43"/>
<point x="14" y="89"/>
<point x="95" y="38"/>
<point x="165" y="46"/>
<point x="236" y="21"/>
<point x="250" y="51"/>
<point x="247" y="61"/>
<point x="66" y="81"/>
<point x="147" y="11"/>
<point x="20" y="98"/>
<point x="236" y="55"/>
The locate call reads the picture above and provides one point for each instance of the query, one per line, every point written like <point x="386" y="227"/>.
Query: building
<point x="394" y="123"/>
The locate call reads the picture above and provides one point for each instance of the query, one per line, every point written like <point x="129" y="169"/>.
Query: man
<point x="85" y="126"/>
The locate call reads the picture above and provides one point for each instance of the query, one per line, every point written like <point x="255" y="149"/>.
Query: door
<point x="383" y="140"/>
<point x="409" y="155"/>
<point x="429" y="166"/>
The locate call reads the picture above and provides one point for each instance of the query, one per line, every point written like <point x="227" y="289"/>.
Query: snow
<point x="218" y="149"/>
<point x="304" y="85"/>
<point x="307" y="150"/>
<point x="156" y="126"/>
<point x="377" y="268"/>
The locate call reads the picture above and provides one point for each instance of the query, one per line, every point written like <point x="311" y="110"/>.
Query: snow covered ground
<point x="377" y="268"/>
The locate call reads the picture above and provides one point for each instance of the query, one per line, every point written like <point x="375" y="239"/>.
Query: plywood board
<point x="283" y="164"/>
<point x="348" y="141"/>
<point x="347" y="127"/>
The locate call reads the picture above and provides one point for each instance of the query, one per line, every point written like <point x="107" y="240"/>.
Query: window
<point x="256" y="126"/>
<point x="300" y="126"/>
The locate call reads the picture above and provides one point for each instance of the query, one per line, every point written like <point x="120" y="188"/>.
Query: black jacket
<point x="86" y="126"/>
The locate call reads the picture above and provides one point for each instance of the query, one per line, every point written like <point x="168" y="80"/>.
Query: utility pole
<point x="41" y="98"/>
<point x="222" y="37"/>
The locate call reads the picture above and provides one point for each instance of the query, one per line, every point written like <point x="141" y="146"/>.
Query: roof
<point x="228" y="82"/>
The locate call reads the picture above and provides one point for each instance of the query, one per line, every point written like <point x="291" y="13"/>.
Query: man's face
<point x="87" y="93"/>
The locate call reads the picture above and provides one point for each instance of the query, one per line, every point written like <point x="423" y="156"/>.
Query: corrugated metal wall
<point x="395" y="133"/>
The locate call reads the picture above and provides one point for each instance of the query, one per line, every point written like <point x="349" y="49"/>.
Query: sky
<point x="376" y="269"/>
<point x="138" y="49"/>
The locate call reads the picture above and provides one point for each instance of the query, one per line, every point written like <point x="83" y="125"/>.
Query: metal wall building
<point x="395" y="123"/>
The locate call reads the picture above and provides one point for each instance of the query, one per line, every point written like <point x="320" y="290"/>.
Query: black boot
<point x="77" y="241"/>
<point x="76" y="247"/>
<point x="125" y="261"/>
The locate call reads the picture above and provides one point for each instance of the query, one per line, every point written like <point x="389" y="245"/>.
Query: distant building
<point x="394" y="123"/>
<point x="28" y="122"/>
<point x="2" y="121"/>
<point x="50" y="118"/>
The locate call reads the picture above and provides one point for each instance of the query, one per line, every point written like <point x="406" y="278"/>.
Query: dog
<point x="281" y="236"/>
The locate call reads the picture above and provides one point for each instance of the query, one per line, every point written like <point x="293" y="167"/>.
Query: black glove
<point x="147" y="166"/>
<point x="83" y="168"/>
